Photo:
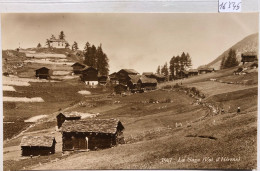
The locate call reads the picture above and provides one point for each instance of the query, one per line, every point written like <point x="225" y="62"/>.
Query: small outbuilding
<point x="193" y="72"/>
<point x="61" y="117"/>
<point x="248" y="57"/>
<point x="77" y="67"/>
<point x="43" y="73"/>
<point x="91" y="134"/>
<point x="205" y="70"/>
<point x="37" y="145"/>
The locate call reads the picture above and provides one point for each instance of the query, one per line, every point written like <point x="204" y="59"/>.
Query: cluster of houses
<point x="77" y="135"/>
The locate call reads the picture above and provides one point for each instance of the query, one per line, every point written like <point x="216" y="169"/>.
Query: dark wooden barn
<point x="183" y="74"/>
<point x="89" y="75"/>
<point x="205" y="70"/>
<point x="147" y="83"/>
<point x="248" y="57"/>
<point x="77" y="67"/>
<point x="160" y="78"/>
<point x="123" y="75"/>
<point x="43" y="73"/>
<point x="61" y="117"/>
<point x="37" y="145"/>
<point x="120" y="88"/>
<point x="133" y="82"/>
<point x="113" y="78"/>
<point x="102" y="80"/>
<point x="193" y="72"/>
<point x="91" y="134"/>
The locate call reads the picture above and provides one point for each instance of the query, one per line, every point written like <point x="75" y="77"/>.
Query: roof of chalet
<point x="159" y="75"/>
<point x="134" y="78"/>
<point x="70" y="114"/>
<point x="39" y="141"/>
<point x="108" y="126"/>
<point x="78" y="63"/>
<point x="129" y="71"/>
<point x="145" y="79"/>
<point x="205" y="68"/>
<point x="42" y="68"/>
<point x="147" y="73"/>
<point x="185" y="72"/>
<point x="249" y="54"/>
<point x="87" y="67"/>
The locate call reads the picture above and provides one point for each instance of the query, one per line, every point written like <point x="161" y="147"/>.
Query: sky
<point x="139" y="41"/>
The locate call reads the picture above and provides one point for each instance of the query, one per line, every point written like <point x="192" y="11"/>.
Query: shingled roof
<point x="130" y="71"/>
<point x="38" y="141"/>
<point x="109" y="126"/>
<point x="71" y="114"/>
<point x="79" y="64"/>
<point x="145" y="79"/>
<point x="134" y="78"/>
<point x="249" y="54"/>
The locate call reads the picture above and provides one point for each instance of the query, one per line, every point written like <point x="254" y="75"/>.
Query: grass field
<point x="153" y="141"/>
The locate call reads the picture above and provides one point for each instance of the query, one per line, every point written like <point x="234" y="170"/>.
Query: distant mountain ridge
<point x="248" y="44"/>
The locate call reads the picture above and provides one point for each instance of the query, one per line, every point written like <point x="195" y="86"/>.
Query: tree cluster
<point x="96" y="58"/>
<point x="177" y="64"/>
<point x="230" y="60"/>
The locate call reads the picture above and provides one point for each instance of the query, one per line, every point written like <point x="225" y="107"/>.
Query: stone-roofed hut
<point x="91" y="134"/>
<point x="43" y="73"/>
<point x="37" y="145"/>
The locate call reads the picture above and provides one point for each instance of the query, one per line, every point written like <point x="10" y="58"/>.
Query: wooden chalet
<point x="91" y="134"/>
<point x="147" y="83"/>
<point x="120" y="88"/>
<point x="77" y="67"/>
<point x="205" y="70"/>
<point x="43" y="73"/>
<point x="37" y="145"/>
<point x="159" y="77"/>
<point x="133" y="82"/>
<point x="123" y="75"/>
<point x="193" y="72"/>
<point x="147" y="74"/>
<point x="248" y="57"/>
<point x="102" y="80"/>
<point x="113" y="78"/>
<point x="61" y="117"/>
<point x="89" y="75"/>
<point x="183" y="74"/>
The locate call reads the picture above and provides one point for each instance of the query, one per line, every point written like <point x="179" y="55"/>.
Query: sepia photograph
<point x="88" y="91"/>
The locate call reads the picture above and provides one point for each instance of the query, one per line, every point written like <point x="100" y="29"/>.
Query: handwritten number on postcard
<point x="229" y="6"/>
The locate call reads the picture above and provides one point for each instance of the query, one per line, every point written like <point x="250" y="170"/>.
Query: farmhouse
<point x="57" y="43"/>
<point x="248" y="57"/>
<point x="193" y="72"/>
<point x="147" y="74"/>
<point x="61" y="117"/>
<point x="205" y="70"/>
<point x="123" y="75"/>
<point x="43" y="73"/>
<point x="91" y="134"/>
<point x="147" y="83"/>
<point x="120" y="88"/>
<point x="77" y="67"/>
<point x="37" y="145"/>
<point x="89" y="75"/>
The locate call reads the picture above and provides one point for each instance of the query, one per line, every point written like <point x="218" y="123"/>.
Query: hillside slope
<point x="248" y="44"/>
